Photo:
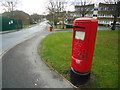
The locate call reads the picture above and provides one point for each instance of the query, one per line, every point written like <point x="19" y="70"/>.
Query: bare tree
<point x="51" y="10"/>
<point x="61" y="6"/>
<point x="56" y="9"/>
<point x="36" y="17"/>
<point x="9" y="5"/>
<point x="83" y="6"/>
<point x="114" y="8"/>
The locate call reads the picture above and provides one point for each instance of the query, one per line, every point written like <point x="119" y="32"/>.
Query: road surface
<point x="22" y="67"/>
<point x="11" y="39"/>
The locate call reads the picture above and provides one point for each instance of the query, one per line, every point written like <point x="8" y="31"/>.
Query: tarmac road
<point x="11" y="39"/>
<point x="23" y="68"/>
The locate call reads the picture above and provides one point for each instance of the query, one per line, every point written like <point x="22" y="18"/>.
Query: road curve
<point x="22" y="67"/>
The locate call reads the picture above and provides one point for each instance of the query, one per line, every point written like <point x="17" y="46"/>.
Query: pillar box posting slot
<point x="84" y="35"/>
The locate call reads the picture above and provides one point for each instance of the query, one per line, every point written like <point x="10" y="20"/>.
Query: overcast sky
<point x="35" y="6"/>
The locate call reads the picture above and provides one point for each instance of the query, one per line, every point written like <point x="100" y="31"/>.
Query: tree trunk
<point x="62" y="23"/>
<point x="83" y="15"/>
<point x="114" y="23"/>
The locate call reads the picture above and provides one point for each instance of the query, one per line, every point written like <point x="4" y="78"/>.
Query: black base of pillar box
<point x="79" y="78"/>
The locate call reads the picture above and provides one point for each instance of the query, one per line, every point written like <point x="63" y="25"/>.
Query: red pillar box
<point x="50" y="28"/>
<point x="84" y="35"/>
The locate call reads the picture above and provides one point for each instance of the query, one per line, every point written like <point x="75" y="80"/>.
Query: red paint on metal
<point x="50" y="29"/>
<point x="82" y="50"/>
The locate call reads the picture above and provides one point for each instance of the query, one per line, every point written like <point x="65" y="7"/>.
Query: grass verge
<point x="56" y="51"/>
<point x="28" y="25"/>
<point x="60" y="27"/>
